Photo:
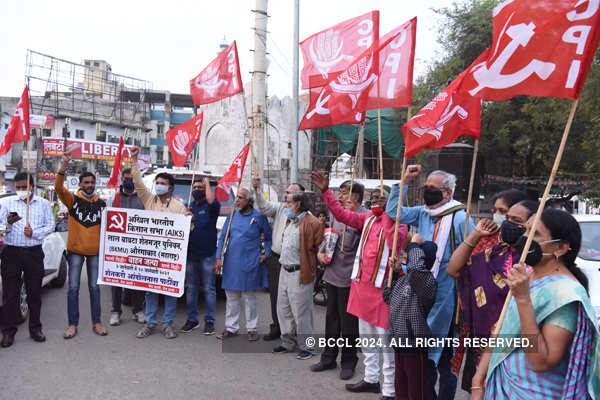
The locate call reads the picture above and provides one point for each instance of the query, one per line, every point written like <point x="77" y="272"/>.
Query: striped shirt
<point x="41" y="221"/>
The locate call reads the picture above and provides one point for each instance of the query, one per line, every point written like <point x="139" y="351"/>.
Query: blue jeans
<point x="75" y="266"/>
<point x="196" y="271"/>
<point x="152" y="309"/>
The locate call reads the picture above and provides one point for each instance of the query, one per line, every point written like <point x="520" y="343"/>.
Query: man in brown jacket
<point x="301" y="239"/>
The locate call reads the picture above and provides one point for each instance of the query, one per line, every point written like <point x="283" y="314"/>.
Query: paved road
<point x="119" y="366"/>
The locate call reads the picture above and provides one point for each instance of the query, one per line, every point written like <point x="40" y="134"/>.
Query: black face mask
<point x="511" y="232"/>
<point x="432" y="196"/>
<point x="199" y="195"/>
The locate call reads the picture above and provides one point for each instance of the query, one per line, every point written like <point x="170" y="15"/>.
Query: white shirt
<point x="41" y="221"/>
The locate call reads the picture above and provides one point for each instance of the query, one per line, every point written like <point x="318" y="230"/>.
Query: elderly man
<point x="243" y="268"/>
<point x="301" y="240"/>
<point x="276" y="211"/>
<point x="368" y="280"/>
<point x="441" y="220"/>
<point x="338" y="321"/>
<point x="164" y="185"/>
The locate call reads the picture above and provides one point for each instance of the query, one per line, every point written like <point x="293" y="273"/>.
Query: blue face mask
<point x="290" y="214"/>
<point x="161" y="189"/>
<point x="90" y="195"/>
<point x="128" y="184"/>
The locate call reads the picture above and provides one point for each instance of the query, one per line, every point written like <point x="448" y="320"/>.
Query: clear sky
<point x="169" y="42"/>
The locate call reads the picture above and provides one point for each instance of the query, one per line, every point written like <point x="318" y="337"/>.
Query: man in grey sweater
<point x="276" y="212"/>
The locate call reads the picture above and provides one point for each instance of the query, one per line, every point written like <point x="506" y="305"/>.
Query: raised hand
<point x="486" y="227"/>
<point x="134" y="151"/>
<point x="412" y="171"/>
<point x="319" y="180"/>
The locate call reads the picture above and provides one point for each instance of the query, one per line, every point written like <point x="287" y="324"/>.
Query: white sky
<point x="169" y="42"/>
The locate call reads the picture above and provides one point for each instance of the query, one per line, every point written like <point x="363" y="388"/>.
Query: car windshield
<point x="590" y="243"/>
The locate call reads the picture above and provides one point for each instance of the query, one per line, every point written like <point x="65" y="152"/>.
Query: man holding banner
<point x="441" y="220"/>
<point x="163" y="201"/>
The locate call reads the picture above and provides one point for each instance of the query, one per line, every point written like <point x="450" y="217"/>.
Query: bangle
<point x="471" y="245"/>
<point x="60" y="173"/>
<point x="476" y="387"/>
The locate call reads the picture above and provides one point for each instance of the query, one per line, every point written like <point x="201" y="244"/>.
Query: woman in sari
<point x="550" y="305"/>
<point x="481" y="278"/>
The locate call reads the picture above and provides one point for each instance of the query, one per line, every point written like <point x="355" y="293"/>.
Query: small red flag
<point x="115" y="174"/>
<point x="181" y="139"/>
<point x="18" y="130"/>
<point x="220" y="79"/>
<point x="235" y="173"/>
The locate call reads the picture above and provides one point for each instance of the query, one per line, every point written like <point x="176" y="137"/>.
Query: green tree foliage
<point x="519" y="137"/>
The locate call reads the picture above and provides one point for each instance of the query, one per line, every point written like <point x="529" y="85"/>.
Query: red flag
<point x="18" y="130"/>
<point x="220" y="79"/>
<point x="331" y="51"/>
<point x="181" y="139"/>
<point x="449" y="115"/>
<point x="396" y="61"/>
<point x="235" y="173"/>
<point x="539" y="48"/>
<point x="115" y="174"/>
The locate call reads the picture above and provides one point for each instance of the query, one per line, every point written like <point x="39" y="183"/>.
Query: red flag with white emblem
<point x="396" y="62"/>
<point x="449" y="115"/>
<point x="539" y="48"/>
<point x="181" y="139"/>
<point x="331" y="51"/>
<point x="233" y="175"/>
<point x="18" y="130"/>
<point x="220" y="79"/>
<point x="115" y="174"/>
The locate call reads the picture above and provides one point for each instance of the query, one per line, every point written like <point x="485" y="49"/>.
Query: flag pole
<point x="194" y="164"/>
<point x="399" y="207"/>
<point x="538" y="214"/>
<point x="29" y="196"/>
<point x="250" y="137"/>
<point x="471" y="183"/>
<point x="358" y="145"/>
<point x="380" y="150"/>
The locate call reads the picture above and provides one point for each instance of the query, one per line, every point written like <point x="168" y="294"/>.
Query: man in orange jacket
<point x="85" y="211"/>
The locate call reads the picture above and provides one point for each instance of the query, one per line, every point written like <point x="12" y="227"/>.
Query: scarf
<point x="383" y="253"/>
<point x="442" y="229"/>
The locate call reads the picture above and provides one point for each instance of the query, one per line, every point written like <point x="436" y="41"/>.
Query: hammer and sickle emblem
<point x="493" y="77"/>
<point x="117" y="222"/>
<point x="319" y="106"/>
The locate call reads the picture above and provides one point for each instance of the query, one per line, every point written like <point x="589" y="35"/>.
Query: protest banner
<point x="83" y="149"/>
<point x="144" y="250"/>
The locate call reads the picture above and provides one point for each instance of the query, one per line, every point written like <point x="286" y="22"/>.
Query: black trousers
<point x="136" y="299"/>
<point x="340" y="323"/>
<point x="273" y="270"/>
<point x="28" y="262"/>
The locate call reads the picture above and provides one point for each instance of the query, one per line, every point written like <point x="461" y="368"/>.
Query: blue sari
<point x="560" y="301"/>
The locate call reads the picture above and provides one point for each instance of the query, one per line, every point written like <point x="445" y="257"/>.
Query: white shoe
<point x="140" y="317"/>
<point x="115" y="319"/>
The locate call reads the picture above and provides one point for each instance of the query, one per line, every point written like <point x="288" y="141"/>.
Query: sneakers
<point x="115" y="319"/>
<point x="252" y="336"/>
<point x="304" y="355"/>
<point x="139" y="317"/>
<point x="226" y="335"/>
<point x="189" y="326"/>
<point x="168" y="332"/>
<point x="146" y="331"/>
<point x="209" y="328"/>
<point x="280" y="350"/>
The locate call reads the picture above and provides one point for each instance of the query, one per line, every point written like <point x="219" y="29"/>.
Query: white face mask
<point x="499" y="219"/>
<point x="22" y="194"/>
<point x="161" y="189"/>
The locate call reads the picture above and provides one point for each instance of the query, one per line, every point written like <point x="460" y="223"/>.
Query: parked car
<point x="589" y="256"/>
<point x="55" y="264"/>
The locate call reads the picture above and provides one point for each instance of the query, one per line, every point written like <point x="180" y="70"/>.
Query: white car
<point x="55" y="266"/>
<point x="589" y="256"/>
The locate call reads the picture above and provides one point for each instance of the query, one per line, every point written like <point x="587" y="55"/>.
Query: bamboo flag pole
<point x="471" y="182"/>
<point x="358" y="147"/>
<point x="538" y="214"/>
<point x="380" y="149"/>
<point x="399" y="206"/>
<point x="28" y="180"/>
<point x="250" y="137"/>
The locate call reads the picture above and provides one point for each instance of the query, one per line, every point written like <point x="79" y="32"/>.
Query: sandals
<point x="70" y="332"/>
<point x="99" y="330"/>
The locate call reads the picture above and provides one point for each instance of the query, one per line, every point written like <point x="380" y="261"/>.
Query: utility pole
<point x="259" y="83"/>
<point x="295" y="93"/>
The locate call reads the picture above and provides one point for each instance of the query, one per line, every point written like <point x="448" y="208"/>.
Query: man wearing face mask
<point x="85" y="212"/>
<point x="243" y="267"/>
<point x="126" y="197"/>
<point x="369" y="276"/>
<point x="276" y="211"/>
<point x="302" y="237"/>
<point x="23" y="256"/>
<point x="163" y="201"/>
<point x="441" y="220"/>
<point x="201" y="257"/>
